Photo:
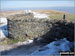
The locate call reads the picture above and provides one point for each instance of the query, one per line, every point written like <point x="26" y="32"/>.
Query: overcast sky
<point x="24" y="4"/>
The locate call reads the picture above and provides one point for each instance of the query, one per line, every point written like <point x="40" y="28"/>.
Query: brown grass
<point x="53" y="14"/>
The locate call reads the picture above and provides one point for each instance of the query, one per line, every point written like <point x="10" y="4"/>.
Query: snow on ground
<point x="39" y="15"/>
<point x="25" y="42"/>
<point x="2" y="34"/>
<point x="3" y="21"/>
<point x="36" y="14"/>
<point x="54" y="48"/>
<point x="3" y="28"/>
<point x="28" y="11"/>
<point x="32" y="49"/>
<point x="29" y="41"/>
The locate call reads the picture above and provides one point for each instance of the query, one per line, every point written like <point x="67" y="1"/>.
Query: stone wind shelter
<point x="23" y="26"/>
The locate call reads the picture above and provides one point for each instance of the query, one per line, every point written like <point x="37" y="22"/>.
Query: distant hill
<point x="63" y="9"/>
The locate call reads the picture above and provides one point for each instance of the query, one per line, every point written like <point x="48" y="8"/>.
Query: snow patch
<point x="29" y="41"/>
<point x="36" y="14"/>
<point x="54" y="48"/>
<point x="27" y="11"/>
<point x="39" y="15"/>
<point x="2" y="34"/>
<point x="3" y="28"/>
<point x="3" y="31"/>
<point x="3" y="21"/>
